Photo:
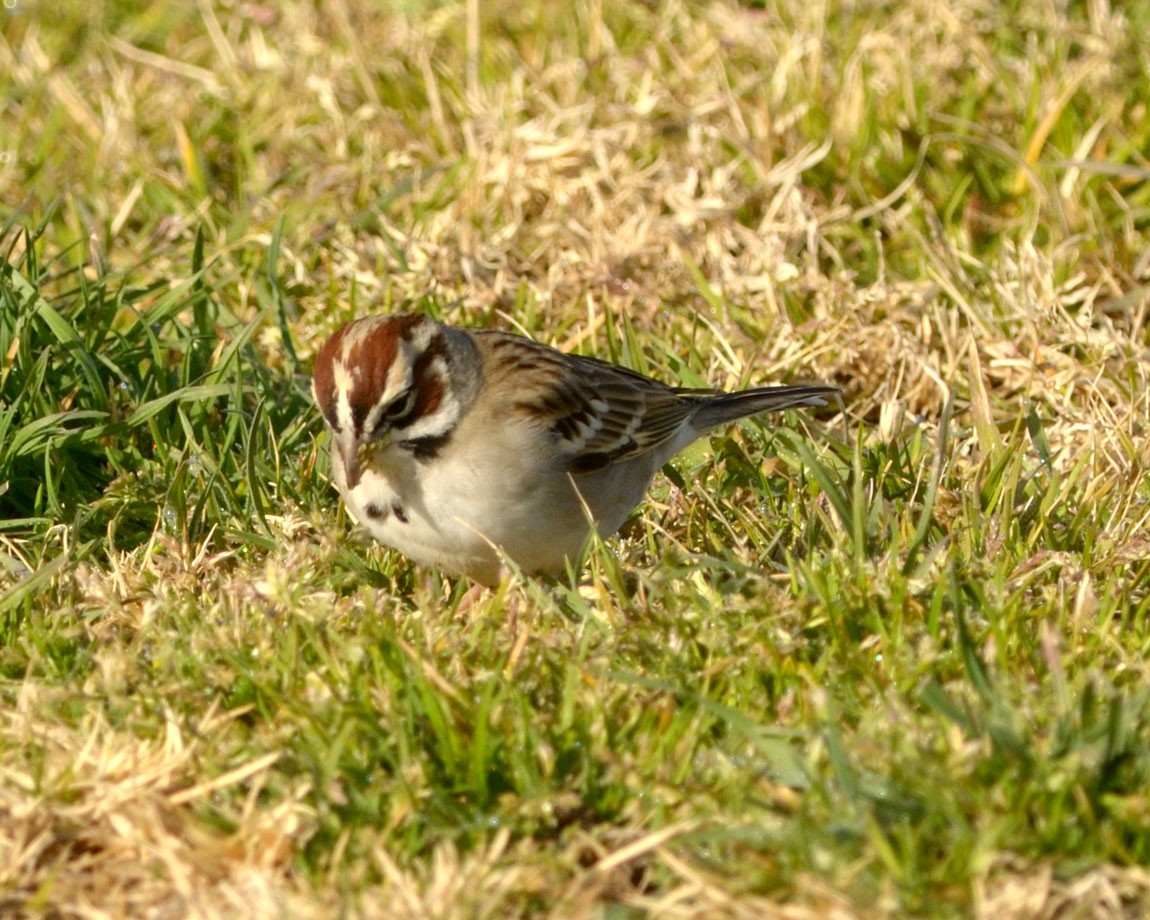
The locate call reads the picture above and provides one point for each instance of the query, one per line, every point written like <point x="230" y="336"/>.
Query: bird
<point x="464" y="447"/>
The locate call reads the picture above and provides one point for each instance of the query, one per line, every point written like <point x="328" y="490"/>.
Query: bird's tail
<point x="730" y="407"/>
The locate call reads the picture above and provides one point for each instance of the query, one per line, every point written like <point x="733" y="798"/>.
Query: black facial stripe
<point x="428" y="447"/>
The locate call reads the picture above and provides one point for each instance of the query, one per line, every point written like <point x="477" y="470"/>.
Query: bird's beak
<point x="348" y="450"/>
<point x="355" y="455"/>
<point x="350" y="467"/>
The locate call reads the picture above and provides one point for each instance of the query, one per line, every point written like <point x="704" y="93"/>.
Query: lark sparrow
<point x="456" y="446"/>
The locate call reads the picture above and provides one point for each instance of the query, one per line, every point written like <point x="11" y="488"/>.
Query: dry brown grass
<point x="99" y="823"/>
<point x="764" y="194"/>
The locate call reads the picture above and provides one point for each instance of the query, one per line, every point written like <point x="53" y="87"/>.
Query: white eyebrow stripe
<point x="343" y="385"/>
<point x="398" y="378"/>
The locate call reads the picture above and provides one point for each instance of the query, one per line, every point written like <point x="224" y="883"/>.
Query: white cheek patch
<point x="439" y="422"/>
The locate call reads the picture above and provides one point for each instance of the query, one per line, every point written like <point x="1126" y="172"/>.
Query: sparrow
<point x="463" y="447"/>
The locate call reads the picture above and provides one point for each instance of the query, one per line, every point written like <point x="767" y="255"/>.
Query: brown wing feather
<point x="602" y="413"/>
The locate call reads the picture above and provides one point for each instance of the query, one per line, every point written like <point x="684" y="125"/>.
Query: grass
<point x="883" y="662"/>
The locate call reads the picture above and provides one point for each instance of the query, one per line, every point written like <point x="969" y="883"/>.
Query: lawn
<point x="884" y="659"/>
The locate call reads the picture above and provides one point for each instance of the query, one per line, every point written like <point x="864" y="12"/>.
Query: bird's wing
<point x="599" y="413"/>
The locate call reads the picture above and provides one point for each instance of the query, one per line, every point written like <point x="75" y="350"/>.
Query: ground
<point x="885" y="659"/>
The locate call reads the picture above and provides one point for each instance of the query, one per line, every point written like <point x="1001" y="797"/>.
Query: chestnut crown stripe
<point x="386" y="365"/>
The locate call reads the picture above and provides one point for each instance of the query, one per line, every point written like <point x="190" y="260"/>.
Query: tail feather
<point x="730" y="407"/>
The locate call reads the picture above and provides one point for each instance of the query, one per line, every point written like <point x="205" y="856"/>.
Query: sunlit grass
<point x="887" y="661"/>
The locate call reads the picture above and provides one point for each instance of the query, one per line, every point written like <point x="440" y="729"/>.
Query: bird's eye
<point x="400" y="407"/>
<point x="396" y="415"/>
